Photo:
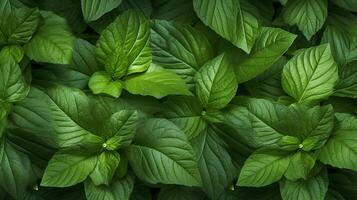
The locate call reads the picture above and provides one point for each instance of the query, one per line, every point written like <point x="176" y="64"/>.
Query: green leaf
<point x="118" y="189"/>
<point x="350" y="5"/>
<point x="124" y="45"/>
<point x="185" y="112"/>
<point x="263" y="168"/>
<point x="120" y="129"/>
<point x="343" y="146"/>
<point x="83" y="58"/>
<point x="69" y="9"/>
<point x="157" y="84"/>
<point x="161" y="153"/>
<point x="13" y="86"/>
<point x="53" y="41"/>
<point x="68" y="168"/>
<point x="347" y="87"/>
<point x="268" y="83"/>
<point x="231" y="19"/>
<point x="318" y="123"/>
<point x="214" y="163"/>
<point x="270" y="45"/>
<point x="314" y="188"/>
<point x="73" y="115"/>
<point x="300" y="165"/>
<point x="94" y="9"/>
<point x="102" y="83"/>
<point x="107" y="163"/>
<point x="339" y="34"/>
<point x="311" y="74"/>
<point x="216" y="84"/>
<point x="308" y="15"/>
<point x="16" y="172"/>
<point x="265" y="121"/>
<point x="24" y="25"/>
<point x="179" y="48"/>
<point x="289" y="143"/>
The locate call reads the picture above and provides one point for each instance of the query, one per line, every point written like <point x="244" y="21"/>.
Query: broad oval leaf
<point x="68" y="168"/>
<point x="314" y="188"/>
<point x="124" y="46"/>
<point x="214" y="163"/>
<point x="13" y="86"/>
<point x="263" y="168"/>
<point x="308" y="15"/>
<point x="179" y="48"/>
<point x="161" y="153"/>
<point x="341" y="149"/>
<point x="216" y="84"/>
<point x="311" y="74"/>
<point x="53" y="41"/>
<point x="270" y="45"/>
<point x="231" y="19"/>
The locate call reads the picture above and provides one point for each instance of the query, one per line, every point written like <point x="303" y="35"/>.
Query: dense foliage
<point x="178" y="99"/>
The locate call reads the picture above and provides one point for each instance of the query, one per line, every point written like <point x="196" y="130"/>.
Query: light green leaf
<point x="300" y="165"/>
<point x="314" y="188"/>
<point x="185" y="112"/>
<point x="343" y="146"/>
<point x="289" y="143"/>
<point x="180" y="48"/>
<point x="118" y="189"/>
<point x="94" y="9"/>
<point x="124" y="46"/>
<point x="13" y="86"/>
<point x="53" y="41"/>
<point x="214" y="163"/>
<point x="161" y="153"/>
<point x="107" y="163"/>
<point x="308" y="15"/>
<point x="120" y="129"/>
<point x="102" y="83"/>
<point x="311" y="74"/>
<point x="216" y="84"/>
<point x="270" y="45"/>
<point x="263" y="168"/>
<point x="157" y="84"/>
<point x="67" y="168"/>
<point x="231" y="19"/>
